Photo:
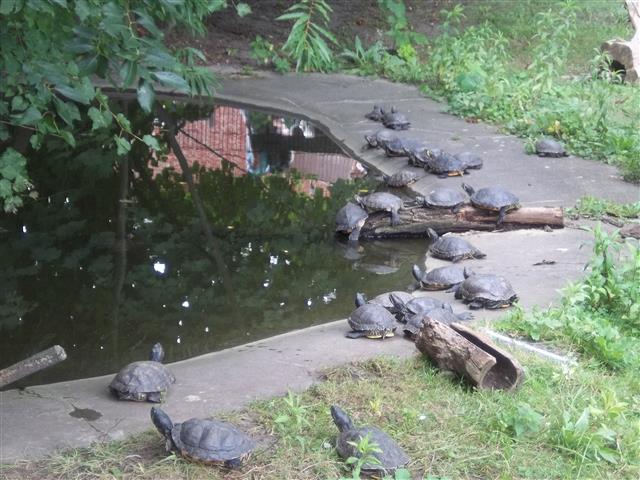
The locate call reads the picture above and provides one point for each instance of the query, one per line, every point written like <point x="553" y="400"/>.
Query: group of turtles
<point x="214" y="442"/>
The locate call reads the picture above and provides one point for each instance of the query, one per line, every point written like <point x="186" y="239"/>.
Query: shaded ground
<point x="229" y="36"/>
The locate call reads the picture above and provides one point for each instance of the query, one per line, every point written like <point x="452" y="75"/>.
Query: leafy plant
<point x="399" y="31"/>
<point x="365" y="455"/>
<point x="596" y="208"/>
<point x="521" y="421"/>
<point x="293" y="421"/>
<point x="307" y="40"/>
<point x="265" y="53"/>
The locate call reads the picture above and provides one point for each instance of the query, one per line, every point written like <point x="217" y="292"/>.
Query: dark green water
<point x="66" y="278"/>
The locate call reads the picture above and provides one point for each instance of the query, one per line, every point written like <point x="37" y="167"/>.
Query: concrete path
<point x="39" y="420"/>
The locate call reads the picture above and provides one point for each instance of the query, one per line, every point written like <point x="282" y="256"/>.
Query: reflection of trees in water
<point x="71" y="278"/>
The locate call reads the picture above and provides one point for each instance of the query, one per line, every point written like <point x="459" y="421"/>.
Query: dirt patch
<point x="228" y="39"/>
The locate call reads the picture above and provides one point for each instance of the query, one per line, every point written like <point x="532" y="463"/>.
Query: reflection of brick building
<point x="225" y="132"/>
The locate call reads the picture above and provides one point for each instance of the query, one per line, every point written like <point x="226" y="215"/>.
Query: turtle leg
<point x="443" y="175"/>
<point x="457" y="208"/>
<point x="395" y="219"/>
<point x="154" y="397"/>
<point x="233" y="464"/>
<point x="476" y="305"/>
<point x="354" y="235"/>
<point x="355" y="334"/>
<point x="501" y="214"/>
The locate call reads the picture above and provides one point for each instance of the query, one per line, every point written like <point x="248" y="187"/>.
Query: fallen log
<point x="462" y="350"/>
<point x="33" y="364"/>
<point x="626" y="54"/>
<point x="415" y="221"/>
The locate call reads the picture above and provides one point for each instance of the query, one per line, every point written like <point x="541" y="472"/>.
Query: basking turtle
<point x="350" y="219"/>
<point x="384" y="300"/>
<point x="451" y="248"/>
<point x="395" y="120"/>
<point x="420" y="306"/>
<point x="418" y="155"/>
<point x="207" y="441"/>
<point x="439" y="278"/>
<point x="443" y="197"/>
<point x="375" y="114"/>
<point x="398" y="147"/>
<point x="380" y="138"/>
<point x="382" y="201"/>
<point x="443" y="164"/>
<point x="470" y="159"/>
<point x="372" y="321"/>
<point x="401" y="178"/>
<point x="494" y="199"/>
<point x="415" y="322"/>
<point x="390" y="456"/>
<point x="547" y="147"/>
<point x="485" y="290"/>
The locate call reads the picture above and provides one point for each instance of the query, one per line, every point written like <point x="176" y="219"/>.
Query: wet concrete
<point x="39" y="420"/>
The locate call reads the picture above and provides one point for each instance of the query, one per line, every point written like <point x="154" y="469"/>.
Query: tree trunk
<point x="627" y="53"/>
<point x="459" y="349"/>
<point x="33" y="364"/>
<point x="416" y="220"/>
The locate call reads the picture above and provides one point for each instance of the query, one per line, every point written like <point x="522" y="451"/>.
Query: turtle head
<point x="360" y="299"/>
<point x="157" y="353"/>
<point x="341" y="419"/>
<point x="394" y="109"/>
<point x="162" y="422"/>
<point x="468" y="188"/>
<point x="398" y="303"/>
<point x="468" y="272"/>
<point x="417" y="273"/>
<point x="432" y="234"/>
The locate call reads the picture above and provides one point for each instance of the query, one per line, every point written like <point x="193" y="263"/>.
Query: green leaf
<point x="30" y="116"/>
<point x="122" y="144"/>
<point x="82" y="9"/>
<point x="128" y="73"/>
<point x="151" y="141"/>
<point x="67" y="111"/>
<point x="68" y="137"/>
<point x="77" y="94"/>
<point x="243" y="9"/>
<point x="99" y="119"/>
<point x="146" y="95"/>
<point x="8" y="6"/>
<point x="172" y="79"/>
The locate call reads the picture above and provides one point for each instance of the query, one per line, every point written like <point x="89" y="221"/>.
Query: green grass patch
<point x="597" y="208"/>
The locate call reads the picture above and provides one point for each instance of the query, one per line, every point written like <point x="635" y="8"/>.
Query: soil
<point x="228" y="38"/>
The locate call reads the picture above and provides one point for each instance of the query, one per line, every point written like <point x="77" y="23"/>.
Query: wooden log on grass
<point x="472" y="355"/>
<point x="414" y="221"/>
<point x="627" y="53"/>
<point x="33" y="364"/>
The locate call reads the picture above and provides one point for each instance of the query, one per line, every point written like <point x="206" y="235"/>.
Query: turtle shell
<point x="381" y="201"/>
<point x="494" y="198"/>
<point x="390" y="457"/>
<point x="442" y="278"/>
<point x="375" y="114"/>
<point x="142" y="381"/>
<point x="470" y="159"/>
<point x="443" y="163"/>
<point x="373" y="321"/>
<point x="443" y="197"/>
<point x="211" y="441"/>
<point x="419" y="306"/>
<point x="380" y="138"/>
<point x="384" y="300"/>
<point x="454" y="248"/>
<point x="349" y="217"/>
<point x="396" y="121"/>
<point x="401" y="178"/>
<point x="486" y="290"/>
<point x="547" y="147"/>
<point x="415" y="322"/>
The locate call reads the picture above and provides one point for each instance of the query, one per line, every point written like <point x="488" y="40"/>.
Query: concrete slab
<point x="38" y="420"/>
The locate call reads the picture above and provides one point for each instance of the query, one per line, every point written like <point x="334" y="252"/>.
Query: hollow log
<point x="33" y="364"/>
<point x="415" y="221"/>
<point x="462" y="350"/>
<point x="627" y="53"/>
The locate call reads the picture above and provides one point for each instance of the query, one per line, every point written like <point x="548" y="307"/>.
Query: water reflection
<point x="104" y="281"/>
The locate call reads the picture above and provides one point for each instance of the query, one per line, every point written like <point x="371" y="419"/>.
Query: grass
<point x="448" y="429"/>
<point x="597" y="208"/>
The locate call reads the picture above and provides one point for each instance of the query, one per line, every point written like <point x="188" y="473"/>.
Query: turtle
<point x="380" y="138"/>
<point x="451" y="248"/>
<point x="350" y="219"/>
<point x="372" y="321"/>
<point x="207" y="441"/>
<point x="145" y="381"/>
<point x="440" y="278"/>
<point x="401" y="178"/>
<point x="470" y="159"/>
<point x="443" y="164"/>
<point x="415" y="322"/>
<point x="383" y="299"/>
<point x="382" y="201"/>
<point x="417" y="155"/>
<point x="395" y="120"/>
<point x="443" y="197"/>
<point x="548" y="147"/>
<point x="375" y="114"/>
<point x="398" y="147"/>
<point x="494" y="199"/>
<point x="421" y="305"/>
<point x="485" y="290"/>
<point x="389" y="454"/>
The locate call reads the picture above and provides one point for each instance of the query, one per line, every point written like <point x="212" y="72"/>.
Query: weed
<point x="265" y="53"/>
<point x="366" y="450"/>
<point x="596" y="208"/>
<point x="291" y="424"/>
<point x="521" y="421"/>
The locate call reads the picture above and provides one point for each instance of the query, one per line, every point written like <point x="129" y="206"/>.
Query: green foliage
<point x="265" y="53"/>
<point x="520" y="421"/>
<point x="14" y="182"/>
<point x="307" y="43"/>
<point x="599" y="315"/>
<point x="365" y="455"/>
<point x="596" y="208"/>
<point x="399" y="29"/>
<point x="292" y="420"/>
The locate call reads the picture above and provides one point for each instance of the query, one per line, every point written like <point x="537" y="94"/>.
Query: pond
<point x="106" y="285"/>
